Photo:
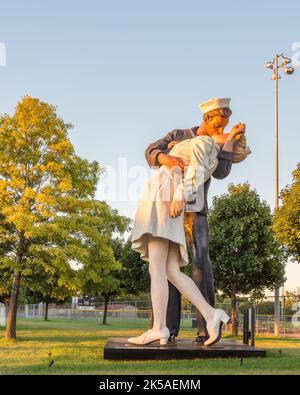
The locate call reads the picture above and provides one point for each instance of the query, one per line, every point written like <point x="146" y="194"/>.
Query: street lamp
<point x="275" y="67"/>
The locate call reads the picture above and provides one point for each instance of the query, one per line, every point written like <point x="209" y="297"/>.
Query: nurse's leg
<point x="158" y="252"/>
<point x="173" y="311"/>
<point x="185" y="284"/>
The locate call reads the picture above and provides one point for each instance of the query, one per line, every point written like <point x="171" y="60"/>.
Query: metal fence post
<point x="249" y="326"/>
<point x="252" y="320"/>
<point x="246" y="327"/>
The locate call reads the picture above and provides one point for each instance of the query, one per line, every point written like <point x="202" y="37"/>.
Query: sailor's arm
<point x="156" y="154"/>
<point x="225" y="155"/>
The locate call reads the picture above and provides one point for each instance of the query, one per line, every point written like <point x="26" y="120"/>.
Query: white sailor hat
<point x="214" y="104"/>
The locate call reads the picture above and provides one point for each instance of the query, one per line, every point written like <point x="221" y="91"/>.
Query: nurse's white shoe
<point x="151" y="336"/>
<point x="214" y="327"/>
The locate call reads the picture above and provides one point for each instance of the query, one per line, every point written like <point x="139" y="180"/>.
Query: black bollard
<point x="249" y="326"/>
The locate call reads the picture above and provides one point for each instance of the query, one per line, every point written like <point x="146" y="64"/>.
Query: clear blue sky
<point x="126" y="72"/>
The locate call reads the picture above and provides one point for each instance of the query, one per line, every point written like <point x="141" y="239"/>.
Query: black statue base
<point x="117" y="348"/>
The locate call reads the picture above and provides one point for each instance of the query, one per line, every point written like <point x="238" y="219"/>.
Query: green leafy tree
<point x="109" y="288"/>
<point x="50" y="284"/>
<point x="134" y="275"/>
<point x="246" y="259"/>
<point x="291" y="297"/>
<point x="99" y="276"/>
<point x="46" y="197"/>
<point x="286" y="224"/>
<point x="6" y="240"/>
<point x="5" y="284"/>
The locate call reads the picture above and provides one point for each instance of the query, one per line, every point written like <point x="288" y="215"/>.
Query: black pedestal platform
<point x="117" y="348"/>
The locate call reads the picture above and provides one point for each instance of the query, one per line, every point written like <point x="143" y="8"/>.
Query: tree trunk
<point x="234" y="315"/>
<point x="106" y="300"/>
<point x="12" y="307"/>
<point x="46" y="311"/>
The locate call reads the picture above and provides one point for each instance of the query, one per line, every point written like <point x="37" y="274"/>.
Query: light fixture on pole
<point x="275" y="66"/>
<point x="285" y="60"/>
<point x="269" y="65"/>
<point x="288" y="70"/>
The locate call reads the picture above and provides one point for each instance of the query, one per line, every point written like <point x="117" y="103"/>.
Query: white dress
<point x="152" y="213"/>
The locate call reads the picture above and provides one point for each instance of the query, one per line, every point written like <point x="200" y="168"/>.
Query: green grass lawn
<point x="77" y="348"/>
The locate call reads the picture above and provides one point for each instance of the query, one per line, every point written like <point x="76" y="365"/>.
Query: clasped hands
<point x="236" y="131"/>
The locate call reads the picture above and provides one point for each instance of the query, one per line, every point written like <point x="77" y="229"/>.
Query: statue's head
<point x="215" y="121"/>
<point x="216" y="113"/>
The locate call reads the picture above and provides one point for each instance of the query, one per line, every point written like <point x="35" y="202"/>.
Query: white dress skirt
<point x="152" y="213"/>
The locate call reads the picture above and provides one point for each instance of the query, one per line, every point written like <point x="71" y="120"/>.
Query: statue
<point x="159" y="231"/>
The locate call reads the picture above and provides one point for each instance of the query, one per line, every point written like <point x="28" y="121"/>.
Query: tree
<point x="46" y="196"/>
<point x="5" y="284"/>
<point x="134" y="275"/>
<point x="99" y="276"/>
<point x="286" y="224"/>
<point x="109" y="288"/>
<point x="245" y="257"/>
<point x="51" y="286"/>
<point x="6" y="239"/>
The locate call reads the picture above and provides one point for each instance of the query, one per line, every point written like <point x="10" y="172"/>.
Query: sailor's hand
<point x="176" y="208"/>
<point x="172" y="161"/>
<point x="236" y="131"/>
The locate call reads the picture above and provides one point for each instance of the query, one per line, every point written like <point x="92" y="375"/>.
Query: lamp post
<point x="275" y="67"/>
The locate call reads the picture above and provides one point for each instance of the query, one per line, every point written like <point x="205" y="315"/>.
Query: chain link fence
<point x="139" y="311"/>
